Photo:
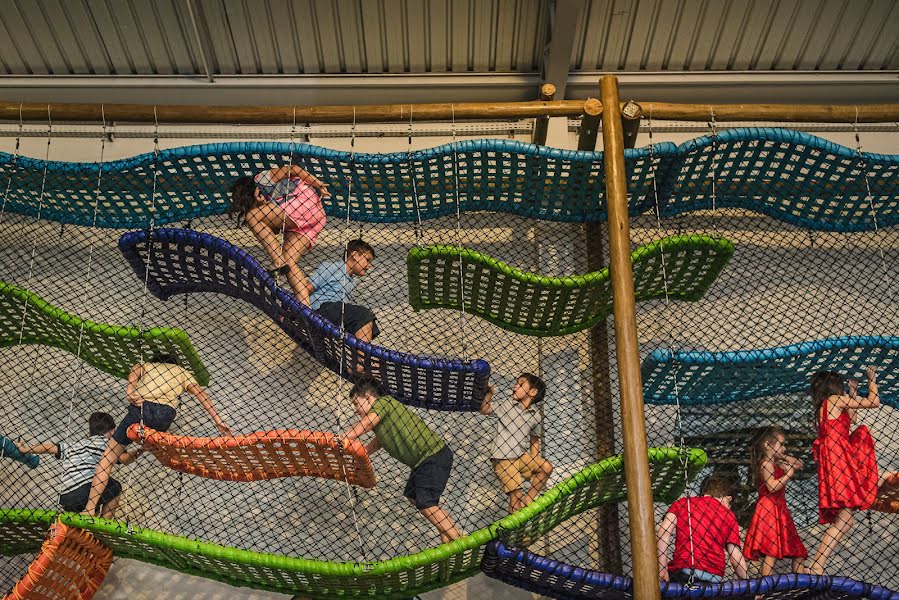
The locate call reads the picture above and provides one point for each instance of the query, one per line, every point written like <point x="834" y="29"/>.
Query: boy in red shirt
<point x="705" y="530"/>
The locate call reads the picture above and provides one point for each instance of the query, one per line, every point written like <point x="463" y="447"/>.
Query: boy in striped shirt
<point x="79" y="462"/>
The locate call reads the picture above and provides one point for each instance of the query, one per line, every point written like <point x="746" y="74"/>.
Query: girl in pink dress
<point x="847" y="465"/>
<point x="772" y="534"/>
<point x="287" y="199"/>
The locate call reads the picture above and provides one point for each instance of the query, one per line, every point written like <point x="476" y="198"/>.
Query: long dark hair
<point x="757" y="448"/>
<point x="824" y="384"/>
<point x="243" y="197"/>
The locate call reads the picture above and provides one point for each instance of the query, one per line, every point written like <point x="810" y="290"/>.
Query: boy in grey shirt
<point x="516" y="452"/>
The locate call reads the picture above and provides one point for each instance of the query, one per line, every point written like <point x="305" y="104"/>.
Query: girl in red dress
<point x="847" y="466"/>
<point x="772" y="534"/>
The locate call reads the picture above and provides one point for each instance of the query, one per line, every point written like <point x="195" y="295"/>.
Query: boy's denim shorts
<point x="156" y="416"/>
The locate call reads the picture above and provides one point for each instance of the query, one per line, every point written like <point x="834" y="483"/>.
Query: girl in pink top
<point x="289" y="200"/>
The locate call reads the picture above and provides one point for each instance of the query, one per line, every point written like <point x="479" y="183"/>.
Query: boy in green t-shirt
<point x="409" y="440"/>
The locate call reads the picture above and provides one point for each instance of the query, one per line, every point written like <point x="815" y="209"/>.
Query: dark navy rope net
<point x="555" y="579"/>
<point x="186" y="261"/>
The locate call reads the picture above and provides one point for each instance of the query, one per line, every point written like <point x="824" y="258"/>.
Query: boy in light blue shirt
<point x="331" y="289"/>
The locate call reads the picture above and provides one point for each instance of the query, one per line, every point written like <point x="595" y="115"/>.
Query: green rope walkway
<point x="537" y="305"/>
<point x="21" y="531"/>
<point x="111" y="348"/>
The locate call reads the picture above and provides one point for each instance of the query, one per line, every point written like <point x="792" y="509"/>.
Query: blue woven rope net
<point x="789" y="175"/>
<point x="723" y="377"/>
<point x="194" y="181"/>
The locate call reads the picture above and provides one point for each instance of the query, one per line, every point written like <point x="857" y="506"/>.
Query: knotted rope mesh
<point x="788" y="266"/>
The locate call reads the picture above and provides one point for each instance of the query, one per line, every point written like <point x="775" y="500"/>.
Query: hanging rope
<point x="87" y="284"/>
<point x="714" y="172"/>
<point x="413" y="175"/>
<point x="12" y="174"/>
<point x="32" y="366"/>
<point x="142" y="312"/>
<point x="352" y="495"/>
<point x="679" y="424"/>
<point x="459" y="234"/>
<point x="870" y="198"/>
<point x="15" y="166"/>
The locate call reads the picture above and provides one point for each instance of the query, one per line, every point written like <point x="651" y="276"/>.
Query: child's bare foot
<point x="815" y="569"/>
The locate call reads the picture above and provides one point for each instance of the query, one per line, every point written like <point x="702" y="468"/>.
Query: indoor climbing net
<point x="761" y="256"/>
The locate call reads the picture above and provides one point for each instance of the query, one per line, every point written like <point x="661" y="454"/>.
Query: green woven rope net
<point x="22" y="530"/>
<point x="25" y="318"/>
<point x="681" y="267"/>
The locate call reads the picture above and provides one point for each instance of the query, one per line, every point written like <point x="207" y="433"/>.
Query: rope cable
<point x="87" y="282"/>
<point x="413" y="176"/>
<point x="142" y="311"/>
<point x="32" y="366"/>
<point x="352" y="494"/>
<point x="459" y="233"/>
<point x="679" y="428"/>
<point x="870" y="198"/>
<point x="15" y="165"/>
<point x="12" y="174"/>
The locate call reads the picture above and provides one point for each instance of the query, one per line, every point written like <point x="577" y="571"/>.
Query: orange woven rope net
<point x="71" y="565"/>
<point x="888" y="495"/>
<point x="261" y="455"/>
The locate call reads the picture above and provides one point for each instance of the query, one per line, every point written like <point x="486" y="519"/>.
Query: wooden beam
<point x="641" y="517"/>
<point x="789" y="113"/>
<point x="146" y="113"/>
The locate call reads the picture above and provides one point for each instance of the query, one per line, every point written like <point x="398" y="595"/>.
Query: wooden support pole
<point x="607" y="533"/>
<point x="627" y="352"/>
<point x="141" y="113"/>
<point x="541" y="125"/>
<point x="590" y="125"/>
<point x="631" y="114"/>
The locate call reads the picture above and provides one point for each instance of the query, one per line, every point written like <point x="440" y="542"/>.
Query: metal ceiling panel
<point x="23" y="48"/>
<point x="737" y="35"/>
<point x="472" y="49"/>
<point x="79" y="23"/>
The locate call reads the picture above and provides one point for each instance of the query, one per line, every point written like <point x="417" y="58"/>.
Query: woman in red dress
<point x="847" y="466"/>
<point x="772" y="534"/>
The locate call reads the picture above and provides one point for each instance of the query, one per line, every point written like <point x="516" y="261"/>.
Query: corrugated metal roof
<point x="258" y="37"/>
<point x="737" y="35"/>
<point x="462" y="50"/>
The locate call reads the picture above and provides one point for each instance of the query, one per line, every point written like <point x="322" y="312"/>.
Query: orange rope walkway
<point x="261" y="455"/>
<point x="71" y="565"/>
